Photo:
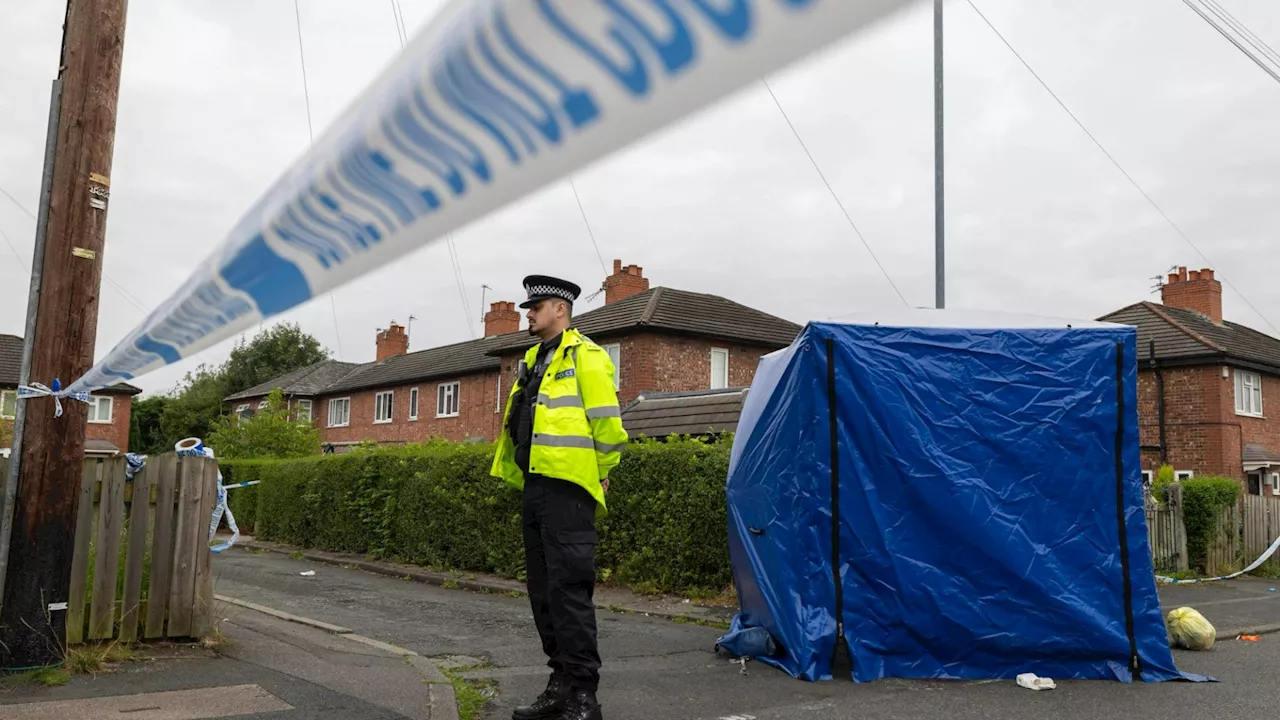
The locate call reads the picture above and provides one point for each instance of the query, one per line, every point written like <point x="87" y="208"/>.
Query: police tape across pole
<point x="492" y="101"/>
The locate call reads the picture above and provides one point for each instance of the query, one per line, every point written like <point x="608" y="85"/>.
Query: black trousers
<point x="560" y="548"/>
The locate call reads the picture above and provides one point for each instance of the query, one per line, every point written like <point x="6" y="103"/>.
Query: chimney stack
<point x="392" y="341"/>
<point x="624" y="282"/>
<point x="1195" y="290"/>
<point x="501" y="319"/>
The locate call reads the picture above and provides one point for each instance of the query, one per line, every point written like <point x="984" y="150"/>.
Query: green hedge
<point x="436" y="505"/>
<point x="1203" y="500"/>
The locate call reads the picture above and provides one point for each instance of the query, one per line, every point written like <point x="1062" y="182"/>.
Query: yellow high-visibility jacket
<point x="577" y="424"/>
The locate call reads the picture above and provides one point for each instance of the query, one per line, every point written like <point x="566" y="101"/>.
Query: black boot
<point x="582" y="705"/>
<point x="549" y="705"/>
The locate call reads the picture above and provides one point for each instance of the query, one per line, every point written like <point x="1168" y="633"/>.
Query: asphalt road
<point x="659" y="669"/>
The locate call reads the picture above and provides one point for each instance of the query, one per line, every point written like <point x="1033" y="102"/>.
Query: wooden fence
<point x="1242" y="533"/>
<point x="1166" y="533"/>
<point x="140" y="567"/>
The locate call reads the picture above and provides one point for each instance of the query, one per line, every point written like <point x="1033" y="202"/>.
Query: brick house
<point x="1204" y="386"/>
<point x="107" y="432"/>
<point x="661" y="340"/>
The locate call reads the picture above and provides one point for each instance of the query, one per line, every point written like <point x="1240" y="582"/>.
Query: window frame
<point x="615" y="356"/>
<point x="262" y="404"/>
<point x="1275" y="483"/>
<point x="4" y="398"/>
<point x="390" y="396"/>
<point x="95" y="401"/>
<point x="311" y="415"/>
<point x="442" y="398"/>
<point x="1148" y="477"/>
<point x="725" y="353"/>
<point x="415" y="397"/>
<point x="347" y="405"/>
<point x="1248" y="392"/>
<point x="1180" y="475"/>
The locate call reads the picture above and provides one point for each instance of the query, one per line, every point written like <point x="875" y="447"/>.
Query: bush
<point x="1164" y="478"/>
<point x="436" y="505"/>
<point x="1203" y="500"/>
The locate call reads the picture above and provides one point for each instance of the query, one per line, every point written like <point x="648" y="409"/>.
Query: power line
<point x="1258" y="43"/>
<point x="401" y="26"/>
<point x="457" y="276"/>
<point x="17" y="204"/>
<point x="1119" y="167"/>
<point x="835" y="197"/>
<point x="1221" y="30"/>
<point x="311" y="139"/>
<point x="586" y="222"/>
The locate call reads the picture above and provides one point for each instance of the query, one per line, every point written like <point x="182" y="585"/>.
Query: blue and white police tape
<point x="1252" y="566"/>
<point x="190" y="447"/>
<point x="218" y="512"/>
<point x="34" y="390"/>
<point x="493" y="101"/>
<point x="133" y="464"/>
<point x="195" y="447"/>
<point x="242" y="484"/>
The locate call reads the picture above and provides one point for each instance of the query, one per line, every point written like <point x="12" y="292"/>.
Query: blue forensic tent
<point x="964" y="487"/>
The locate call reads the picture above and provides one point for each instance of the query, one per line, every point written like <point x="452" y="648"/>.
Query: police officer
<point x="562" y="435"/>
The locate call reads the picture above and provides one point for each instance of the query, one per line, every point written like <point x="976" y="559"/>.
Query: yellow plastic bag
<point x="1188" y="629"/>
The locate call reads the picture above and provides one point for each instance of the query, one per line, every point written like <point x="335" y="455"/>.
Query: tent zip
<point x="1135" y="663"/>
<point x="835" y="495"/>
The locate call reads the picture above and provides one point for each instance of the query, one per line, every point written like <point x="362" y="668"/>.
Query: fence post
<point x="1174" y="499"/>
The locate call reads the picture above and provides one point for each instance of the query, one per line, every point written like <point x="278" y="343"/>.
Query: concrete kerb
<point x="1267" y="629"/>
<point x="444" y="702"/>
<point x="447" y="580"/>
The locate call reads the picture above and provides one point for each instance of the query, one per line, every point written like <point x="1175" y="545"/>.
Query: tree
<point x="270" y="433"/>
<point x="273" y="352"/>
<point x="197" y="403"/>
<point x="145" y="434"/>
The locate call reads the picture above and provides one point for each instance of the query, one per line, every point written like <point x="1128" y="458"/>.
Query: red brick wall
<point x="1203" y="431"/>
<point x="476" y="415"/>
<point x="117" y="431"/>
<point x="662" y="363"/>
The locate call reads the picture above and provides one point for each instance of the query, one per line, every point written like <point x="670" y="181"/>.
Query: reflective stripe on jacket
<point x="577" y="424"/>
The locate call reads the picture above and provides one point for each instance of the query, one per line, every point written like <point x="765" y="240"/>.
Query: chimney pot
<point x="392" y="341"/>
<point x="1195" y="290"/>
<point x="501" y="319"/>
<point x="624" y="282"/>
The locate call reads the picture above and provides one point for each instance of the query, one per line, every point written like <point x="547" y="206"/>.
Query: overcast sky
<point x="212" y="110"/>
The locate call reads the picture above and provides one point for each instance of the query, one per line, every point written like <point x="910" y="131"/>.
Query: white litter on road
<point x="1031" y="681"/>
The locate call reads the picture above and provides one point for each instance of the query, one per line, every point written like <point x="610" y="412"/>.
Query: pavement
<point x="655" y="667"/>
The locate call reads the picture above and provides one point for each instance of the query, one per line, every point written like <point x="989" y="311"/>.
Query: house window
<point x="304" y="411"/>
<point x="1248" y="393"/>
<point x="1148" y="477"/>
<point x="262" y="404"/>
<point x="447" y="400"/>
<point x="382" y="407"/>
<point x="243" y="412"/>
<point x="1275" y="483"/>
<point x="413" y="404"/>
<point x="8" y="404"/>
<point x="340" y="412"/>
<point x="1181" y="475"/>
<point x="615" y="355"/>
<point x="100" y="409"/>
<point x="719" y="368"/>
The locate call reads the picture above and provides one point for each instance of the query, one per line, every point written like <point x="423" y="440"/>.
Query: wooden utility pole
<point x="33" y="615"/>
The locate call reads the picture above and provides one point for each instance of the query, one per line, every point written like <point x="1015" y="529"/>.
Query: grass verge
<point x="472" y="695"/>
